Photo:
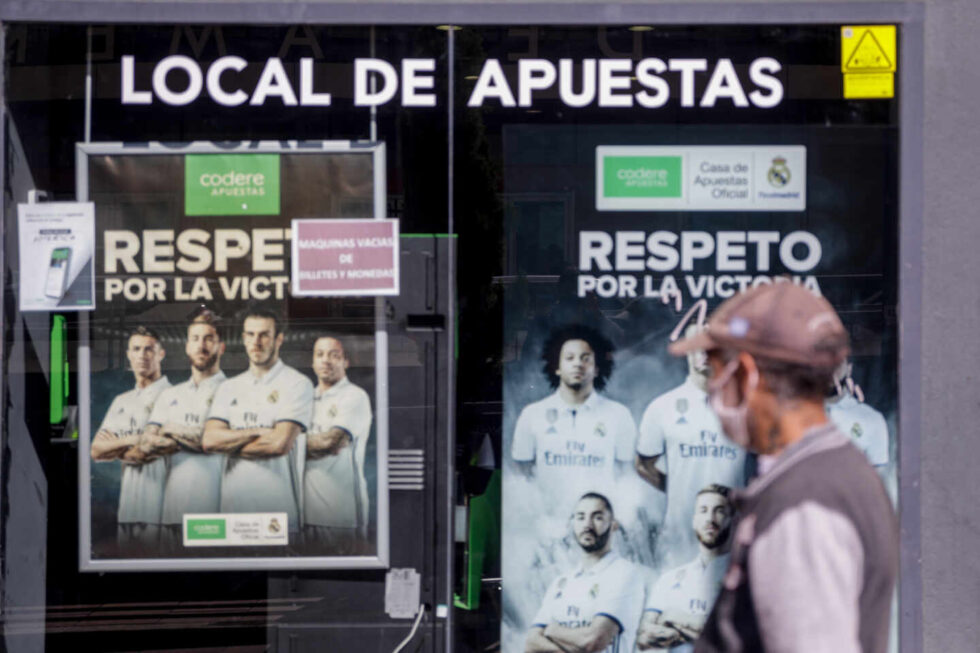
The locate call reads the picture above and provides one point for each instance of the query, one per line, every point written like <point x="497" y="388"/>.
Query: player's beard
<point x="265" y="362"/>
<point x="207" y="364"/>
<point x="720" y="538"/>
<point x="598" y="540"/>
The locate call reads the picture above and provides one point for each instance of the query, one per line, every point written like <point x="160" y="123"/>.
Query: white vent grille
<point x="406" y="469"/>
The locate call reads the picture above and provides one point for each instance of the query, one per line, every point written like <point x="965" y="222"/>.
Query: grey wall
<point x="950" y="347"/>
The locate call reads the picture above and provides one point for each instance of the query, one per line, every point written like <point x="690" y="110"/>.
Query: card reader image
<point x="57" y="279"/>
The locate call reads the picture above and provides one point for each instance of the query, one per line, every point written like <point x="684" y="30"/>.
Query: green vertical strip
<point x="58" y="388"/>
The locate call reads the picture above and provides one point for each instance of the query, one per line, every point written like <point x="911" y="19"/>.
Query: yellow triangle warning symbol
<point x="868" y="55"/>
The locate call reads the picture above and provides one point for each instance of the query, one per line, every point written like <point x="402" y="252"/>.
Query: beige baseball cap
<point x="780" y="321"/>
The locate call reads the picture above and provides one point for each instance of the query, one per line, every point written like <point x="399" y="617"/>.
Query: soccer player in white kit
<point x="119" y="438"/>
<point x="575" y="440"/>
<point x="334" y="489"/>
<point x="679" y="603"/>
<point x="681" y="449"/>
<point x="863" y="424"/>
<point x="176" y="427"/>
<point x="258" y="419"/>
<point x="597" y="606"/>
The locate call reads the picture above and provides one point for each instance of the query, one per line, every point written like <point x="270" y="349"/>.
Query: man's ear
<point x="747" y="374"/>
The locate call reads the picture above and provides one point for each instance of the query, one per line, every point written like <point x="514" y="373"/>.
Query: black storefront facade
<point x="538" y="169"/>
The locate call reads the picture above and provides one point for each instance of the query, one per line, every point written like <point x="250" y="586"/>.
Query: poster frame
<point x="376" y="150"/>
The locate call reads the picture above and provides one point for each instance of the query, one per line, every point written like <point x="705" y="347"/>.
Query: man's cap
<point x="780" y="321"/>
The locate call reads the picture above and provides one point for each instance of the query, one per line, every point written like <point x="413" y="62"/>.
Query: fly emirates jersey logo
<point x="576" y="438"/>
<point x="711" y="445"/>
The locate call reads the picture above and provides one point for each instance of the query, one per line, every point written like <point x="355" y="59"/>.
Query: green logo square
<point x="205" y="529"/>
<point x="641" y="176"/>
<point x="231" y="184"/>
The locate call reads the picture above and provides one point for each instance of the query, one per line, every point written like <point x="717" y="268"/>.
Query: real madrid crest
<point x="856" y="430"/>
<point x="778" y="174"/>
<point x="551" y="415"/>
<point x="332" y="411"/>
<point x="681" y="405"/>
<point x="273" y="396"/>
<point x="600" y="429"/>
<point x="594" y="592"/>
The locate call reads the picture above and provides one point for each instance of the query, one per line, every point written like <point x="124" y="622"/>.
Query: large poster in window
<point x="618" y="481"/>
<point x="229" y="423"/>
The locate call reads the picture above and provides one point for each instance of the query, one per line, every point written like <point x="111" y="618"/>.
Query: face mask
<point x="734" y="419"/>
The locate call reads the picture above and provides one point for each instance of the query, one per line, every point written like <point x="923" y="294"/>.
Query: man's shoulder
<point x="626" y="572"/>
<point x="172" y="392"/>
<point x="236" y="379"/>
<point x="836" y="477"/>
<point x="290" y="376"/>
<point x="354" y="391"/>
<point x="125" y="397"/>
<point x="540" y="406"/>
<point x="668" y="399"/>
<point x="608" y="404"/>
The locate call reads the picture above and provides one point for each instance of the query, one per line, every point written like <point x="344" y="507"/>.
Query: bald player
<point x="681" y="449"/>
<point x="118" y="438"/>
<point x="334" y="489"/>
<point x="678" y="605"/>
<point x="596" y="607"/>
<point x="258" y="419"/>
<point x="176" y="429"/>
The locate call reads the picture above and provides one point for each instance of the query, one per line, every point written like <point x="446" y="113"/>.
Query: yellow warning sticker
<point x="868" y="49"/>
<point x="871" y="86"/>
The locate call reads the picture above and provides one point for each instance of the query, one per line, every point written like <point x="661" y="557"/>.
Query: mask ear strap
<point x="753" y="378"/>
<point x="726" y="375"/>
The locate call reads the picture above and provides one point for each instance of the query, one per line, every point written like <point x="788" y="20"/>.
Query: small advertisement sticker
<point x="337" y="257"/>
<point x="56" y="241"/>
<point x="231" y="184"/>
<point x="237" y="529"/>
<point x="701" y="178"/>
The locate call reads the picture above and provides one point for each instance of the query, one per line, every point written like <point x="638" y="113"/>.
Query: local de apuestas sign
<point x="615" y="83"/>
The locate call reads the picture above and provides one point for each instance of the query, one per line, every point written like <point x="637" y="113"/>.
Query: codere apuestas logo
<point x="642" y="176"/>
<point x="231" y="184"/>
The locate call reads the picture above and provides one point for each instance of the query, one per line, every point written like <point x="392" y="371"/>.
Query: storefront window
<point x="507" y="224"/>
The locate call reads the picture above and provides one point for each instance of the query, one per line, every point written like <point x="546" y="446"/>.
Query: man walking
<point x="815" y="552"/>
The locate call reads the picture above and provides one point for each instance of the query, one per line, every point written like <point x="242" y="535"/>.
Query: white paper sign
<point x="56" y="245"/>
<point x="402" y="592"/>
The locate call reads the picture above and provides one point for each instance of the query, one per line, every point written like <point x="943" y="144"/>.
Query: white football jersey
<point x="613" y="588"/>
<point x="247" y="401"/>
<point x="864" y="425"/>
<point x="691" y="588"/>
<point x="574" y="448"/>
<point x="141" y="488"/>
<point x="335" y="491"/>
<point x="680" y="426"/>
<point x="194" y="481"/>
